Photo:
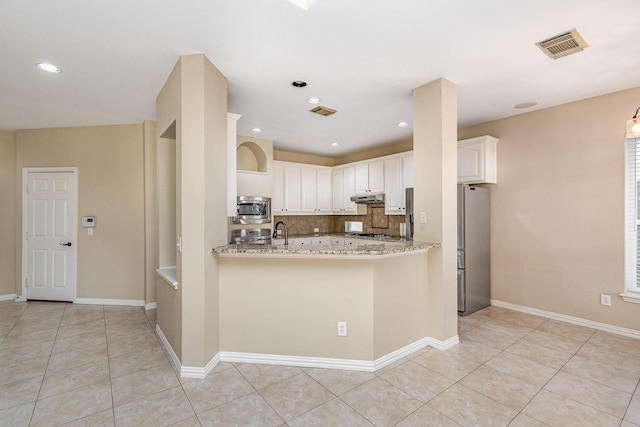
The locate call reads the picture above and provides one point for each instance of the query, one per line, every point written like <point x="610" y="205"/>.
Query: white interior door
<point x="50" y="237"/>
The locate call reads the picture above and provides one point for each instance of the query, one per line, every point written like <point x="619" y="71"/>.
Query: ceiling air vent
<point x="323" y="111"/>
<point x="563" y="44"/>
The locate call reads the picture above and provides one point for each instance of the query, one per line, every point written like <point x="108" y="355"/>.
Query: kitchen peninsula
<point x="282" y="304"/>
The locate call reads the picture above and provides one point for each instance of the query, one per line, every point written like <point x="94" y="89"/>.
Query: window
<point x="632" y="221"/>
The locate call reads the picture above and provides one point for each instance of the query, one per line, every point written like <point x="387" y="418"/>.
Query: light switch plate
<point x="423" y="217"/>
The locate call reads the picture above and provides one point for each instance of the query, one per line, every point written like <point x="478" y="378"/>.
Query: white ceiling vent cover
<point x="563" y="44"/>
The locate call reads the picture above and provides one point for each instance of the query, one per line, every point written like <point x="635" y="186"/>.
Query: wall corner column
<point x="435" y="112"/>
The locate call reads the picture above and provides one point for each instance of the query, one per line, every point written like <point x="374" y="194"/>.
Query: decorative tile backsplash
<point x="375" y="221"/>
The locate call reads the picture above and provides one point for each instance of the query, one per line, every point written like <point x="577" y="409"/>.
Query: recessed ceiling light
<point x="525" y="105"/>
<point x="334" y="144"/>
<point x="402" y="124"/>
<point x="256" y="130"/>
<point x="48" y="67"/>
<point x="314" y="100"/>
<point x="299" y="83"/>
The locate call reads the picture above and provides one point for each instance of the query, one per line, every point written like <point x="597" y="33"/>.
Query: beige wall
<point x="8" y="229"/>
<point x="150" y="210"/>
<point x="195" y="99"/>
<point x="111" y="188"/>
<point x="557" y="210"/>
<point x="255" y="183"/>
<point x="266" y="307"/>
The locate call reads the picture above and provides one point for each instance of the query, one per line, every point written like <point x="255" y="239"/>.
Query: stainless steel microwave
<point x="253" y="210"/>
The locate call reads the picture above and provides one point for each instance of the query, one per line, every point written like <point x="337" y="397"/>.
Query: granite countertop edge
<point x="387" y="246"/>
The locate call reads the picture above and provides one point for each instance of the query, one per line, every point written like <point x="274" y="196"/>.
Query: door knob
<point x="65" y="244"/>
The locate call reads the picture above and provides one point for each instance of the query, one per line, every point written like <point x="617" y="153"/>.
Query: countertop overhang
<point x="369" y="248"/>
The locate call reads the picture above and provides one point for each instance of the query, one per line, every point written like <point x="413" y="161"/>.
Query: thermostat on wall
<point x="88" y="221"/>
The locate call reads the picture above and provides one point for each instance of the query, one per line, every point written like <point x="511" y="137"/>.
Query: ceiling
<point x="361" y="57"/>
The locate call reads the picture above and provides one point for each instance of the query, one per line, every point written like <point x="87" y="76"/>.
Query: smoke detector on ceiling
<point x="323" y="111"/>
<point x="563" y="44"/>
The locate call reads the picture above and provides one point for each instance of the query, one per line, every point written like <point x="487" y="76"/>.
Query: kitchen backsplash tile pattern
<point x="375" y="221"/>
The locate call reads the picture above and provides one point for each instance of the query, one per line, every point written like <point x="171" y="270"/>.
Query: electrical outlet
<point x="423" y="217"/>
<point x="316" y="230"/>
<point x="605" y="300"/>
<point x="342" y="329"/>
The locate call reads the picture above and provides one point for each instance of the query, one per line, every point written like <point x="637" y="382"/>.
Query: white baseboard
<point x="8" y="297"/>
<point x="167" y="346"/>
<point x="150" y="306"/>
<point x="569" y="319"/>
<point x="346" y="364"/>
<point x="303" y="361"/>
<point x="104" y="301"/>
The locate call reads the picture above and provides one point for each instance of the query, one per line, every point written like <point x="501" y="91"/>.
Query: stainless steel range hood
<point x="368" y="198"/>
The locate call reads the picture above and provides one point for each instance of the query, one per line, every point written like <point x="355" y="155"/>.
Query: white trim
<point x="8" y="297"/>
<point x="631" y="297"/>
<point x="443" y="345"/>
<point x="150" y="306"/>
<point x="345" y="364"/>
<point x="167" y="346"/>
<point x="196" y="372"/>
<point x="569" y="319"/>
<point x="25" y="268"/>
<point x="302" y="361"/>
<point x="169" y="275"/>
<point x="105" y="301"/>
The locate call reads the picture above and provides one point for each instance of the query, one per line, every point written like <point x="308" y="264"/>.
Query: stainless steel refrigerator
<point x="474" y="268"/>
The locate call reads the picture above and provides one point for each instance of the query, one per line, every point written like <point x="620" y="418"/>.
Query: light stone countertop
<point x="358" y="248"/>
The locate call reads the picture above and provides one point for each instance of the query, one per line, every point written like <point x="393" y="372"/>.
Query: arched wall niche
<point x="251" y="157"/>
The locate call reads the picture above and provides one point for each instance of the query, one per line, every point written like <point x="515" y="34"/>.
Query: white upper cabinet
<point x="477" y="160"/>
<point x="316" y="189"/>
<point x="407" y="166"/>
<point x="344" y="186"/>
<point x="287" y="191"/>
<point x="394" y="186"/>
<point x="370" y="177"/>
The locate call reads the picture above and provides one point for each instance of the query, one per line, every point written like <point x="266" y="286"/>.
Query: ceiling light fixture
<point x="48" y="67"/>
<point x="256" y="130"/>
<point x="633" y="126"/>
<point x="402" y="124"/>
<point x="314" y="100"/>
<point x="525" y="105"/>
<point x="334" y="144"/>
<point x="299" y="83"/>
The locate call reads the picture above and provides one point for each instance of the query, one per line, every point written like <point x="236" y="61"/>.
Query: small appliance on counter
<point x="253" y="210"/>
<point x="251" y="236"/>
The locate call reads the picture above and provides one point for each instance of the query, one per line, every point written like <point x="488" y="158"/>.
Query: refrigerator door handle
<point x="461" y="263"/>
<point x="462" y="303"/>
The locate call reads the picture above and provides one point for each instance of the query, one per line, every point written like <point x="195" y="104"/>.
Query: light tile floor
<point x="82" y="365"/>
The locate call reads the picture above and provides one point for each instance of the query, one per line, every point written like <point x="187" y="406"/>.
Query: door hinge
<point x="27" y="235"/>
<point x="26" y="282"/>
<point x="27" y="188"/>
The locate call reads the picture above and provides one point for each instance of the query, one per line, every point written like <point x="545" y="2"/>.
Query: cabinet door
<point x="376" y="176"/>
<point x="407" y="165"/>
<point x="338" y="190"/>
<point x="349" y="186"/>
<point x="362" y="178"/>
<point x="394" y="188"/>
<point x="323" y="193"/>
<point x="308" y="190"/>
<point x="470" y="164"/>
<point x="292" y="200"/>
<point x="277" y="201"/>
